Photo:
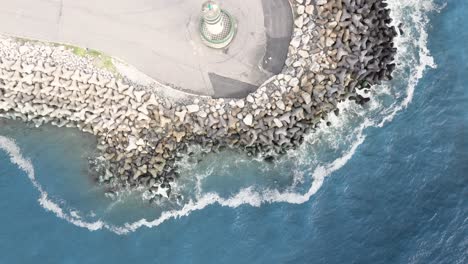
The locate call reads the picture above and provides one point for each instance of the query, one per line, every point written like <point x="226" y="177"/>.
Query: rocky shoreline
<point x="338" y="47"/>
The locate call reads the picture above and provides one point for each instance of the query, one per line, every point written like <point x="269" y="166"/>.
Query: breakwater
<point x="338" y="46"/>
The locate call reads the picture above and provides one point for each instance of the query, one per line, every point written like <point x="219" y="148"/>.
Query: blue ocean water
<point x="386" y="184"/>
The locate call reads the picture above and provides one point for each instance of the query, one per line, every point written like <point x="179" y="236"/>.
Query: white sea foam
<point x="415" y="37"/>
<point x="413" y="59"/>
<point x="16" y="157"/>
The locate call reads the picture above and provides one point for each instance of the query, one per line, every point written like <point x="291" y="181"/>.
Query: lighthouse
<point x="217" y="26"/>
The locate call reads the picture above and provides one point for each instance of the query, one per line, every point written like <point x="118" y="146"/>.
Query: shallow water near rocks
<point x="384" y="184"/>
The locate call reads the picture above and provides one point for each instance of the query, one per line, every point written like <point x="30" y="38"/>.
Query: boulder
<point x="248" y="120"/>
<point x="193" y="108"/>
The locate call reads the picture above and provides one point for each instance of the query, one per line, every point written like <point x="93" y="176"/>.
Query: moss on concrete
<point x="100" y="59"/>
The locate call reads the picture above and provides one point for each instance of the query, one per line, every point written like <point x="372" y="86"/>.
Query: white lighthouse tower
<point x="217" y="26"/>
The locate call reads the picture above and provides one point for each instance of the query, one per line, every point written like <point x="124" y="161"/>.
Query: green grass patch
<point x="22" y="41"/>
<point x="99" y="59"/>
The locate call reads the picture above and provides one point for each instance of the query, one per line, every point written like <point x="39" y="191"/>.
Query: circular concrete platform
<point x="161" y="38"/>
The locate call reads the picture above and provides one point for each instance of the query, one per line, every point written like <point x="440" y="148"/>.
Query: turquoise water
<point x="386" y="184"/>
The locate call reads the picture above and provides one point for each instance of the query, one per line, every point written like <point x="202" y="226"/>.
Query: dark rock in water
<point x="301" y="140"/>
<point x="362" y="100"/>
<point x="169" y="174"/>
<point x="400" y="29"/>
<point x="222" y="148"/>
<point x="269" y="159"/>
<point x="337" y="112"/>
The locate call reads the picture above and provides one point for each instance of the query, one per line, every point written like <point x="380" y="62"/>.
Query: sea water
<point x="386" y="183"/>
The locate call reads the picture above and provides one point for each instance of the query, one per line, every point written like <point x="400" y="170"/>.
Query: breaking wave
<point x="17" y="158"/>
<point x="324" y="152"/>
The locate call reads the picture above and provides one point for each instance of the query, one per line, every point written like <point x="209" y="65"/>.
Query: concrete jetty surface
<point x="160" y="38"/>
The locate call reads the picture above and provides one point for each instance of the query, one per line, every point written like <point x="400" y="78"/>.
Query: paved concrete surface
<point x="278" y="28"/>
<point x="160" y="38"/>
<point x="229" y="87"/>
